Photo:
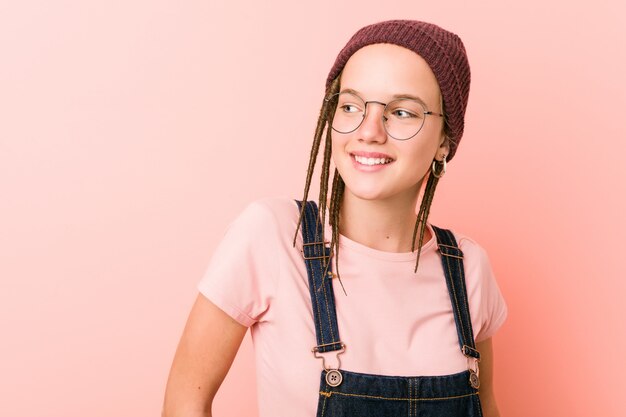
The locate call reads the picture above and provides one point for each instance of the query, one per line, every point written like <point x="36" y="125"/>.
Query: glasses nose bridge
<point x="379" y="119"/>
<point x="374" y="101"/>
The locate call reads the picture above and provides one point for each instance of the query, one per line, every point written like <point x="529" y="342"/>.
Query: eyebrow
<point x="395" y="96"/>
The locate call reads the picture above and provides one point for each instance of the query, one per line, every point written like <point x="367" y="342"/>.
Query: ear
<point x="444" y="148"/>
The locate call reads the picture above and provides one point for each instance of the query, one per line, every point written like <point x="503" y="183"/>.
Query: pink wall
<point x="124" y="154"/>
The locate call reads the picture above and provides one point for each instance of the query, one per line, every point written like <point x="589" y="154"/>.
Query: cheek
<point x="417" y="157"/>
<point x="338" y="145"/>
<point x="417" y="150"/>
<point x="340" y="158"/>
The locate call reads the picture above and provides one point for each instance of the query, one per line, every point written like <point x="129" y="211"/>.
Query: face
<point x="379" y="72"/>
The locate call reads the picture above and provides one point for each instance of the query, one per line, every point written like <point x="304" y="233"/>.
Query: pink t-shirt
<point x="393" y="321"/>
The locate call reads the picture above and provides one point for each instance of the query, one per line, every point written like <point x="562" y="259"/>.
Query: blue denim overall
<point x="344" y="393"/>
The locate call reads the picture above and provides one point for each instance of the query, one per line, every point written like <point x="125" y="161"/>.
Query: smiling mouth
<point x="372" y="161"/>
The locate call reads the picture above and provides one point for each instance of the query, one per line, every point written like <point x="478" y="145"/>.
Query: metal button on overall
<point x="333" y="378"/>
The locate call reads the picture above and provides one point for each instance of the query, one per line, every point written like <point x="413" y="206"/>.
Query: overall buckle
<point x="333" y="376"/>
<point x="473" y="357"/>
<point x="324" y="247"/>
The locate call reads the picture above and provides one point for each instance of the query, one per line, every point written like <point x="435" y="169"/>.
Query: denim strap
<point x="452" y="260"/>
<point x="322" y="296"/>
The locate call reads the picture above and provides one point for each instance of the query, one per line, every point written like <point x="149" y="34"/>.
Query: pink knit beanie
<point x="442" y="50"/>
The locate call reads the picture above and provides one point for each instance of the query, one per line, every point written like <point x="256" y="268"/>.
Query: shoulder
<point x="280" y="206"/>
<point x="464" y="242"/>
<point x="267" y="216"/>
<point x="472" y="250"/>
<point x="257" y="235"/>
<point x="477" y="264"/>
<point x="273" y="210"/>
<point x="487" y="304"/>
<point x="475" y="259"/>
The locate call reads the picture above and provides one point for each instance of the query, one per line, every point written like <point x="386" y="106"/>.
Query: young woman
<point x="390" y="315"/>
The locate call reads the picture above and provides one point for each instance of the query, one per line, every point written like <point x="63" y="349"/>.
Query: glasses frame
<point x="383" y="118"/>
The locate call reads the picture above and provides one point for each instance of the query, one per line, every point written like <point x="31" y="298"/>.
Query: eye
<point x="405" y="109"/>
<point x="349" y="108"/>
<point x="404" y="114"/>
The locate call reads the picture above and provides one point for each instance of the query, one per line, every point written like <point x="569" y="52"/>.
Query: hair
<point x="324" y="122"/>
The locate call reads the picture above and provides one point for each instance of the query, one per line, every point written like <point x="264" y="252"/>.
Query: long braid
<point x="324" y="177"/>
<point x="429" y="194"/>
<point x="429" y="191"/>
<point x="319" y="130"/>
<point x="336" y="198"/>
<point x="422" y="215"/>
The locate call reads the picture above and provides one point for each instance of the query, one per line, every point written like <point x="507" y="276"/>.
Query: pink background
<point x="131" y="133"/>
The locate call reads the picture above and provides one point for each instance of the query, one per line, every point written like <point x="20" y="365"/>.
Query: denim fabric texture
<point x="452" y="259"/>
<point x="322" y="297"/>
<point x="367" y="395"/>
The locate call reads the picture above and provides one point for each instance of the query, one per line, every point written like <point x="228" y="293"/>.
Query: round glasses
<point x="402" y="118"/>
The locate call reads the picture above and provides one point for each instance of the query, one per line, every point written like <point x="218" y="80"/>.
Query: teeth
<point x="371" y="161"/>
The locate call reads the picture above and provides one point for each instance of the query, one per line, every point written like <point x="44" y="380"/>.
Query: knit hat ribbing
<point x="442" y="50"/>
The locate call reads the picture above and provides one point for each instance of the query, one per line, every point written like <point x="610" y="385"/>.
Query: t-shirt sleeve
<point x="242" y="273"/>
<point x="487" y="305"/>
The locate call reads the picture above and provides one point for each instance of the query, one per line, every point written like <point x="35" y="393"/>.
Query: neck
<point x="385" y="225"/>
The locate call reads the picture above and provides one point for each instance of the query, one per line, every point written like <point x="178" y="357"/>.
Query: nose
<point x="372" y="129"/>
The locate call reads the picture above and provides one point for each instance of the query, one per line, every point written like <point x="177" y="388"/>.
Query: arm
<point x="487" y="397"/>
<point x="206" y="351"/>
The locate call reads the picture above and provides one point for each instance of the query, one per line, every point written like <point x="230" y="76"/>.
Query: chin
<point x="367" y="192"/>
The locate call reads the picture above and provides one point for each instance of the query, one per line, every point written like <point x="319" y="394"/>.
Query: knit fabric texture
<point x="442" y="50"/>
